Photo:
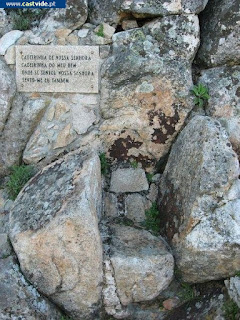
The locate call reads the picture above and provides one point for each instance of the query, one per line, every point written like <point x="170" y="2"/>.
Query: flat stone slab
<point x="128" y="180"/>
<point x="57" y="68"/>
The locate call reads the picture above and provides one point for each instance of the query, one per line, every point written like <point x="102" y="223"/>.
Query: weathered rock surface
<point x="220" y="33"/>
<point x="25" y="114"/>
<point x="8" y="40"/>
<point x="74" y="16"/>
<point x="224" y="102"/>
<point x="54" y="231"/>
<point x="64" y="122"/>
<point x="3" y="21"/>
<point x="10" y="55"/>
<point x="233" y="286"/>
<point x="114" y="12"/>
<point x="135" y="207"/>
<point x="7" y="91"/>
<point x="145" y="94"/>
<point x="200" y="202"/>
<point x="128" y="180"/>
<point x="138" y="269"/>
<point x="19" y="299"/>
<point x="5" y="247"/>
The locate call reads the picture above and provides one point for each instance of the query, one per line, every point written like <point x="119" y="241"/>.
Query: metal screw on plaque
<point x="92" y="52"/>
<point x="92" y="86"/>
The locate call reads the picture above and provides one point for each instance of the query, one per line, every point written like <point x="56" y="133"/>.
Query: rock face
<point x="220" y="34"/>
<point x="54" y="231"/>
<point x="199" y="202"/>
<point x="224" y="89"/>
<point x="233" y="286"/>
<point x="40" y="127"/>
<point x="138" y="269"/>
<point x="65" y="119"/>
<point x="22" y="121"/>
<point x="74" y="16"/>
<point x="5" y="247"/>
<point x="114" y="11"/>
<point x="7" y="91"/>
<point x="8" y="40"/>
<point x="145" y="88"/>
<point x="128" y="180"/>
<point x="19" y="299"/>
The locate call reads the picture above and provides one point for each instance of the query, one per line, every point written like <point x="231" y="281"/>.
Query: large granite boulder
<point x="114" y="11"/>
<point x="74" y="16"/>
<point x="7" y="92"/>
<point x="138" y="269"/>
<point x="54" y="232"/>
<point x="19" y="299"/>
<point x="224" y="89"/>
<point x="199" y="202"/>
<point x="220" y="33"/>
<point x="145" y="93"/>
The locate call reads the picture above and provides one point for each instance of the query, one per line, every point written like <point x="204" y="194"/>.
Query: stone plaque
<point x="57" y="68"/>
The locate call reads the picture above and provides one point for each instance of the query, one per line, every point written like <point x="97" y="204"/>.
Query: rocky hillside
<point x="123" y="204"/>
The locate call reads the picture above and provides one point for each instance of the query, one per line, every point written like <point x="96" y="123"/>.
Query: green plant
<point x="237" y="274"/>
<point x="187" y="292"/>
<point x="100" y="32"/>
<point x="65" y="318"/>
<point x="231" y="310"/>
<point x="134" y="164"/>
<point x="149" y="177"/>
<point x="18" y="178"/>
<point x="21" y="23"/>
<point x="104" y="163"/>
<point x="201" y="94"/>
<point x="24" y="19"/>
<point x="152" y="219"/>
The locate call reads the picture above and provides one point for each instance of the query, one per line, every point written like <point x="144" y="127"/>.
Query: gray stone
<point x="83" y="33"/>
<point x="19" y="299"/>
<point x="145" y="90"/>
<point x="129" y="24"/>
<point x="233" y="286"/>
<point x="193" y="6"/>
<point x="111" y="300"/>
<point x="142" y="265"/>
<point x="128" y="180"/>
<point x="8" y="40"/>
<point x="135" y="207"/>
<point x="153" y="192"/>
<point x="79" y="65"/>
<point x="2" y="19"/>
<point x="83" y="118"/>
<point x="73" y="17"/>
<point x="223" y="84"/>
<point x="7" y="92"/>
<point x="108" y="31"/>
<point x="110" y="205"/>
<point x="199" y="202"/>
<point x="10" y="55"/>
<point x="105" y="51"/>
<point x="4" y="222"/>
<point x="66" y="119"/>
<point x="25" y="114"/>
<point x="5" y="247"/>
<point x="220" y="34"/>
<point x="54" y="231"/>
<point x="114" y="11"/>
